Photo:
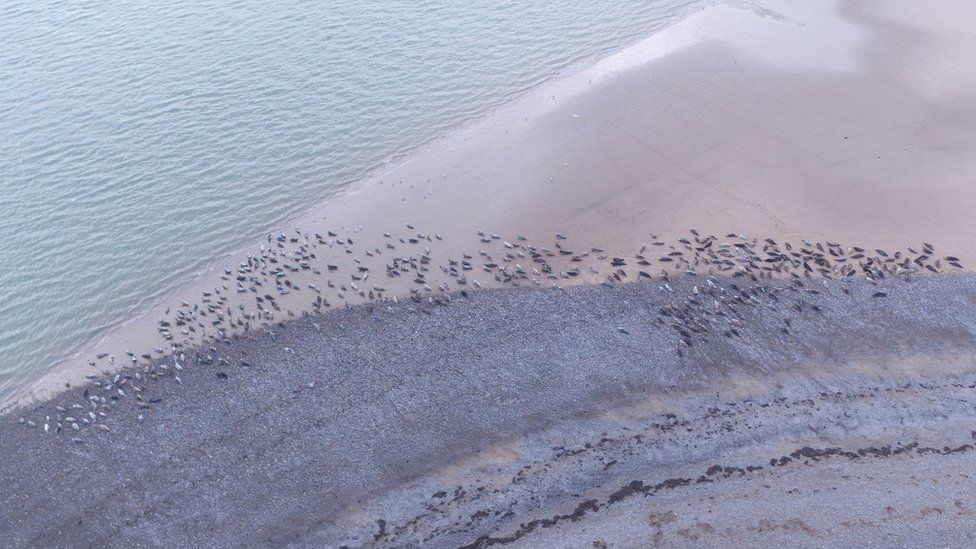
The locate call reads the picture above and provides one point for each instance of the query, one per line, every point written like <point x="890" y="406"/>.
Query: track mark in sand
<point x="491" y="503"/>
<point x="805" y="455"/>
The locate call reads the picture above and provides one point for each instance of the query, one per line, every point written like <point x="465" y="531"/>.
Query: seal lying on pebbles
<point x="729" y="275"/>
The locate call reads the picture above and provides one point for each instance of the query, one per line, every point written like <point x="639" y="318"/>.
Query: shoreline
<point x="668" y="156"/>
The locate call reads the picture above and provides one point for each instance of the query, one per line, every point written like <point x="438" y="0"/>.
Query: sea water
<point x="140" y="142"/>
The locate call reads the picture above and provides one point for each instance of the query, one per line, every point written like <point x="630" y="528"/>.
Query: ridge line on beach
<point x="765" y="267"/>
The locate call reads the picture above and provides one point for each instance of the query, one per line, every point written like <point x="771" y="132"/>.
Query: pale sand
<point x="797" y="124"/>
<point x="852" y="123"/>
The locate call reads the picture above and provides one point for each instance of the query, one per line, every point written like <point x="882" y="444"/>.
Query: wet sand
<point x="834" y="410"/>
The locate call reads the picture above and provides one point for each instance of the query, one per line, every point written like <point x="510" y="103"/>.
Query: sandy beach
<point x="464" y="350"/>
<point x="737" y="119"/>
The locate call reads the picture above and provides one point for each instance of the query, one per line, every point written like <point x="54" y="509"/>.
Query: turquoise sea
<point x="140" y="142"/>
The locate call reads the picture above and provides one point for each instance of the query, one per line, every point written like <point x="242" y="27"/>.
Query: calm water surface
<point x="141" y="141"/>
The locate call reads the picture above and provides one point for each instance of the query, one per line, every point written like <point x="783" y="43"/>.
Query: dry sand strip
<point x="467" y="422"/>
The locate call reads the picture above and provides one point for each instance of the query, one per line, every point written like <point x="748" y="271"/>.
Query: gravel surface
<point x="541" y="417"/>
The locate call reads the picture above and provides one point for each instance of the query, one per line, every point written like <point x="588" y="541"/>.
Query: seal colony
<point x="729" y="274"/>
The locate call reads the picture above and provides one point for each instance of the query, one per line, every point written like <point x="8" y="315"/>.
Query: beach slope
<point x="529" y="415"/>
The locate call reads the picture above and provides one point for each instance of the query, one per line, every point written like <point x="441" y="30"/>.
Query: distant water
<point x="141" y="141"/>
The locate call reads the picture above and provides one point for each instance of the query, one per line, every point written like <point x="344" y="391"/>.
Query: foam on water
<point x="141" y="142"/>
